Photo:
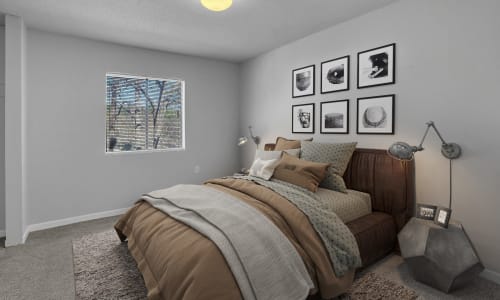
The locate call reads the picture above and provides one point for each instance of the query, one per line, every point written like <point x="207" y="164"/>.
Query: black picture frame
<point x="442" y="217"/>
<point x="303" y="118"/>
<point x="426" y="212"/>
<point x="303" y="81"/>
<point x="330" y="80"/>
<point x="334" y="107"/>
<point x="377" y="66"/>
<point x="376" y="114"/>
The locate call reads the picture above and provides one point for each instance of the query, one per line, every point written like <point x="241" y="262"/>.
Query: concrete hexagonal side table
<point x="443" y="258"/>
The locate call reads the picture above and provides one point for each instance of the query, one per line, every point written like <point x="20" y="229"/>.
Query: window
<point x="144" y="113"/>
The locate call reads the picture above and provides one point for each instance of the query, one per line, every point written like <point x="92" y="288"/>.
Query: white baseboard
<point x="2" y="233"/>
<point x="72" y="220"/>
<point x="491" y="275"/>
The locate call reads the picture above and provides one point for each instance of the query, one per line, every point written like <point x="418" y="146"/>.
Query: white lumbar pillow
<point x="263" y="168"/>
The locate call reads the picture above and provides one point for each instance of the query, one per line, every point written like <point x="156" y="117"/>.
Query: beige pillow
<point x="265" y="155"/>
<point x="338" y="155"/>
<point x="263" y="168"/>
<point x="306" y="174"/>
<point x="285" y="144"/>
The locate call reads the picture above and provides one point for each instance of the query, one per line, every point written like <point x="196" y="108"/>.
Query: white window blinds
<point x="144" y="113"/>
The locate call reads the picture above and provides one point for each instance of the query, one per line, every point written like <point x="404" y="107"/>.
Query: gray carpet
<point x="104" y="269"/>
<point x="42" y="268"/>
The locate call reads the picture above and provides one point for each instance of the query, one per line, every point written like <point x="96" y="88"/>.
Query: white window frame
<point x="183" y="121"/>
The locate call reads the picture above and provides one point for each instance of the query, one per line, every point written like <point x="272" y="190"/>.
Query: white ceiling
<point x="247" y="29"/>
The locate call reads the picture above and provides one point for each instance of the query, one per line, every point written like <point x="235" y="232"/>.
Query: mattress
<point x="348" y="206"/>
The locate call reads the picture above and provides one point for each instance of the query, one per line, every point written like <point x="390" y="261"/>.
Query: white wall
<point x="68" y="173"/>
<point x="2" y="129"/>
<point x="15" y="129"/>
<point x="447" y="71"/>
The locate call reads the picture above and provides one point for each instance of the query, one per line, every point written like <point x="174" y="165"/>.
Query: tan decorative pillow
<point x="338" y="155"/>
<point x="275" y="154"/>
<point x="285" y="144"/>
<point x="306" y="174"/>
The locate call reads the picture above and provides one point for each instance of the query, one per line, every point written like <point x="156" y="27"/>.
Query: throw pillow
<point x="338" y="155"/>
<point x="265" y="155"/>
<point x="263" y="168"/>
<point x="306" y="174"/>
<point x="285" y="144"/>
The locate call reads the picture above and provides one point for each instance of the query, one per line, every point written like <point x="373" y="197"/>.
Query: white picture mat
<point x="442" y="216"/>
<point x="296" y="126"/>
<point x="386" y="103"/>
<point x="327" y="86"/>
<point x="338" y="107"/>
<point x="310" y="89"/>
<point x="365" y="65"/>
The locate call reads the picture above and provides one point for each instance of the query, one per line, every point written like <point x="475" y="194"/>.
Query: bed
<point x="178" y="262"/>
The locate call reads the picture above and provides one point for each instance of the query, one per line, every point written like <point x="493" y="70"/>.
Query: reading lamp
<point x="403" y="151"/>
<point x="243" y="140"/>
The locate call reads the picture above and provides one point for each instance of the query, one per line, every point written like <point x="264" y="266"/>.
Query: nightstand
<point x="443" y="258"/>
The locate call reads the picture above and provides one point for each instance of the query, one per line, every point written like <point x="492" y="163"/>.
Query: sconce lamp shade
<point x="242" y="141"/>
<point x="402" y="151"/>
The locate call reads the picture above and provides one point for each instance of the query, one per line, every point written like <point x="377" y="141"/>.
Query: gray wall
<point x="2" y="127"/>
<point x="447" y="71"/>
<point x="68" y="173"/>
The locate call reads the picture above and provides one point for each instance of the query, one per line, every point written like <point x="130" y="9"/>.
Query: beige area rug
<point x="104" y="269"/>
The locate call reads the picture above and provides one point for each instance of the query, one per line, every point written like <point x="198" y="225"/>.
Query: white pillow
<point x="263" y="168"/>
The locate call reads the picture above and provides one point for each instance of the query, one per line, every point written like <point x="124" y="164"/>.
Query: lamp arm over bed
<point x="449" y="150"/>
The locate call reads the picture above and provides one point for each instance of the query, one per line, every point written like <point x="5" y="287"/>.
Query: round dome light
<point x="217" y="5"/>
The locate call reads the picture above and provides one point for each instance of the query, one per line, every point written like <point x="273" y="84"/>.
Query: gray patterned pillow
<point x="338" y="155"/>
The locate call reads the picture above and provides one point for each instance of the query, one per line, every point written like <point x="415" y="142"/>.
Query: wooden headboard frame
<point x="390" y="182"/>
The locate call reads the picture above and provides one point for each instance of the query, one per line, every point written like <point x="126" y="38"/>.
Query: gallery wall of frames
<point x="374" y="114"/>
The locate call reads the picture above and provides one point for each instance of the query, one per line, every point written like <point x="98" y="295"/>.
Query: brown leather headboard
<point x="390" y="182"/>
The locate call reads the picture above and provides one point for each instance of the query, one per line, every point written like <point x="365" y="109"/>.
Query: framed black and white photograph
<point x="375" y="115"/>
<point x="334" y="117"/>
<point x="426" y="212"/>
<point x="303" y="118"/>
<point x="303" y="81"/>
<point x="335" y="75"/>
<point x="442" y="217"/>
<point x="377" y="66"/>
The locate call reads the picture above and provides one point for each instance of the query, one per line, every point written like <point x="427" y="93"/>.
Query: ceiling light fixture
<point x="217" y="5"/>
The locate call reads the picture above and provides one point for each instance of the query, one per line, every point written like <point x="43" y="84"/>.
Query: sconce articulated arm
<point x="255" y="139"/>
<point x="449" y="150"/>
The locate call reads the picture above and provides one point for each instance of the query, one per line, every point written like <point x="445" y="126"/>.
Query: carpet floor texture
<point x="104" y="269"/>
<point x="43" y="268"/>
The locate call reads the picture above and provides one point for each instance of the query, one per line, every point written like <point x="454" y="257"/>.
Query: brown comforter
<point x="179" y="263"/>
